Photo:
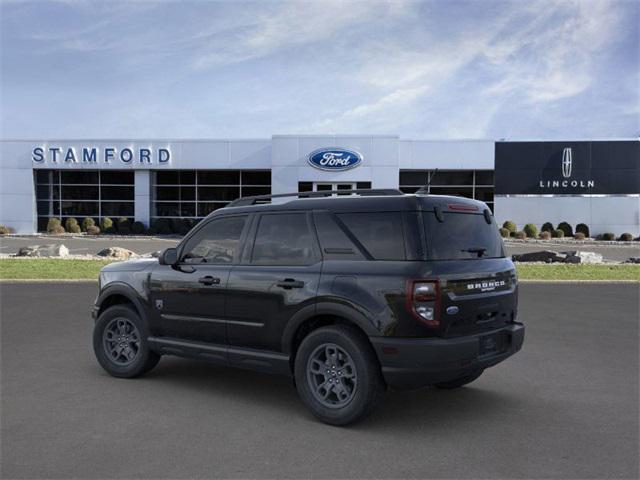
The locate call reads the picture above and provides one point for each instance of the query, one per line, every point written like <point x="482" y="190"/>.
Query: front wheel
<point x="337" y="375"/>
<point x="459" y="382"/>
<point x="120" y="343"/>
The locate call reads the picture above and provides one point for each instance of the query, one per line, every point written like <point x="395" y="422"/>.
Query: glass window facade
<point x="478" y="184"/>
<point x="197" y="193"/>
<point x="87" y="193"/>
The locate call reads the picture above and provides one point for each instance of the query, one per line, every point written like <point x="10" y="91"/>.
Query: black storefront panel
<point x="571" y="168"/>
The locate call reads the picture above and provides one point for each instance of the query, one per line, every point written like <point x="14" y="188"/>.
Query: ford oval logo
<point x="334" y="159"/>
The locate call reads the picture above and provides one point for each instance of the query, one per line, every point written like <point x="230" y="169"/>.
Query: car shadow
<point x="398" y="409"/>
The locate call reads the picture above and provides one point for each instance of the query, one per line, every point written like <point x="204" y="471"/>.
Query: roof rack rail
<point x="246" y="201"/>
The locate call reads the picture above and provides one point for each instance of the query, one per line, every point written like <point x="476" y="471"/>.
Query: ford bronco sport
<point x="347" y="294"/>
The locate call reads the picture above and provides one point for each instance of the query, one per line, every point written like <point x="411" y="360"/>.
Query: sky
<point x="420" y="70"/>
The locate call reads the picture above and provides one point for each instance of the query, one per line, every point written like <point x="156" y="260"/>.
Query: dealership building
<point x="596" y="182"/>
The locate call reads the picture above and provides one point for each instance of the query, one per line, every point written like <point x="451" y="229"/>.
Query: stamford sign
<point x="334" y="159"/>
<point x="95" y="155"/>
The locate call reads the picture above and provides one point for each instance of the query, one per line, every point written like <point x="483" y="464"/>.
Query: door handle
<point x="209" y="280"/>
<point x="289" y="283"/>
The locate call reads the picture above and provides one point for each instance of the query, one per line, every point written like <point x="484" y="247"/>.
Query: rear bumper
<point x="413" y="363"/>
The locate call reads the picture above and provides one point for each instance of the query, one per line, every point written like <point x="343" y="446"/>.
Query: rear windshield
<point x="461" y="236"/>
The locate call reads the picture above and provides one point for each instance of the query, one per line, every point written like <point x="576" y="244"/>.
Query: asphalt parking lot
<point x="565" y="407"/>
<point x="142" y="245"/>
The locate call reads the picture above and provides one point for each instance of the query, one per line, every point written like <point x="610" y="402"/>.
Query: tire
<point x="459" y="382"/>
<point x="122" y="323"/>
<point x="342" y="355"/>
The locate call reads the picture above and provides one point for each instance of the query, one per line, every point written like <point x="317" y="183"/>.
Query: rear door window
<point x="461" y="236"/>
<point x="380" y="233"/>
<point x="284" y="239"/>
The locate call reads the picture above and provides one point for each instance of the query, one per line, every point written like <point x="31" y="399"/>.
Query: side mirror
<point x="169" y="257"/>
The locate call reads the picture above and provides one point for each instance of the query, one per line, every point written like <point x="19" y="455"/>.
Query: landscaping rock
<point x="582" y="257"/>
<point x="117" y="252"/>
<point x="52" y="250"/>
<point x="546" y="256"/>
<point x="632" y="260"/>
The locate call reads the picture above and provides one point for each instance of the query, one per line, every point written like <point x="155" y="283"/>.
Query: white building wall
<point x="17" y="188"/>
<point x="446" y="154"/>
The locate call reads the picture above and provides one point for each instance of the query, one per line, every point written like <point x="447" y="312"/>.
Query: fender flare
<point x="125" y="290"/>
<point x="358" y="318"/>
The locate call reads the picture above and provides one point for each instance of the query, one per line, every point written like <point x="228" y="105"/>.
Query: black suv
<point x="349" y="294"/>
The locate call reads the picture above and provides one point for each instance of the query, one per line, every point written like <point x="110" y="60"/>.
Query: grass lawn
<point x="88" y="270"/>
<point x="51" y="269"/>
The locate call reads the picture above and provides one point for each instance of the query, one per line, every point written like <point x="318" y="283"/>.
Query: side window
<point x="381" y="233"/>
<point x="283" y="239"/>
<point x="216" y="243"/>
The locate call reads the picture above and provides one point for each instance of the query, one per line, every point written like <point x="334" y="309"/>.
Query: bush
<point x="579" y="236"/>
<point x="531" y="230"/>
<point x="547" y="227"/>
<point x="608" y="236"/>
<point x="510" y="225"/>
<point x="57" y="230"/>
<point x="566" y="228"/>
<point x="53" y="224"/>
<point x="161" y="226"/>
<point x="106" y="225"/>
<point x="5" y="230"/>
<point x="626" y="237"/>
<point x="71" y="225"/>
<point x="505" y="233"/>
<point x="583" y="228"/>
<point x="546" y="235"/>
<point x="93" y="230"/>
<point x="557" y="233"/>
<point x="138" y="228"/>
<point x="87" y="222"/>
<point x="521" y="235"/>
<point x="124" y="226"/>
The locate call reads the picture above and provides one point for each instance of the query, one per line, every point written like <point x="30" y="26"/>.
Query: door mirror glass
<point x="169" y="257"/>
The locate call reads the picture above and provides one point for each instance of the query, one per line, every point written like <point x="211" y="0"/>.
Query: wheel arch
<point x="120" y="294"/>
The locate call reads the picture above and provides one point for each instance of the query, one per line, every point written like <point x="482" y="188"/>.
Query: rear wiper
<point x="480" y="251"/>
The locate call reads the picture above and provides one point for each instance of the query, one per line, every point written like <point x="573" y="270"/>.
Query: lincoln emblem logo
<point x="566" y="162"/>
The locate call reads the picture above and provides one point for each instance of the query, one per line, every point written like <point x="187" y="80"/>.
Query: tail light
<point x="423" y="301"/>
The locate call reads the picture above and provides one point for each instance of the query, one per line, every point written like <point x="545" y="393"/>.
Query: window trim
<point x="247" y="257"/>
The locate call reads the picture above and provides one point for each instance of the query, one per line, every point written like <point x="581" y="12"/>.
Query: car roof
<point x="372" y="203"/>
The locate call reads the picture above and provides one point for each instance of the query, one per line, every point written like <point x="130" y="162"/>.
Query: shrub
<point x="521" y="235"/>
<point x="161" y="226"/>
<point x="547" y="227"/>
<point x="504" y="233"/>
<point x="608" y="236"/>
<point x="71" y="225"/>
<point x="566" y="228"/>
<point x="579" y="236"/>
<point x="583" y="228"/>
<point x="138" y="228"/>
<point x="88" y="222"/>
<point x="5" y="230"/>
<point x="531" y="230"/>
<point x="52" y="224"/>
<point x="124" y="226"/>
<point x="626" y="237"/>
<point x="546" y="235"/>
<point x="557" y="233"/>
<point x="106" y="225"/>
<point x="57" y="230"/>
<point x="510" y="225"/>
<point x="93" y="230"/>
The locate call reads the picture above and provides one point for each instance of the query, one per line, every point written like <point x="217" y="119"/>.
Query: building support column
<point x="142" y="189"/>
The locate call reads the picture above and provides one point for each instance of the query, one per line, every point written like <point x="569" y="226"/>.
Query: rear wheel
<point x="459" y="382"/>
<point x="120" y="343"/>
<point x="337" y="375"/>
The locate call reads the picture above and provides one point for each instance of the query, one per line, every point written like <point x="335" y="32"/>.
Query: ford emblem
<point x="452" y="310"/>
<point x="334" y="159"/>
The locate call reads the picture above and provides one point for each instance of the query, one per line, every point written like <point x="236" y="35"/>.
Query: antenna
<point x="427" y="188"/>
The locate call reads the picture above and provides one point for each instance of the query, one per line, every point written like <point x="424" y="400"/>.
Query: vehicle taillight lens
<point x="423" y="300"/>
